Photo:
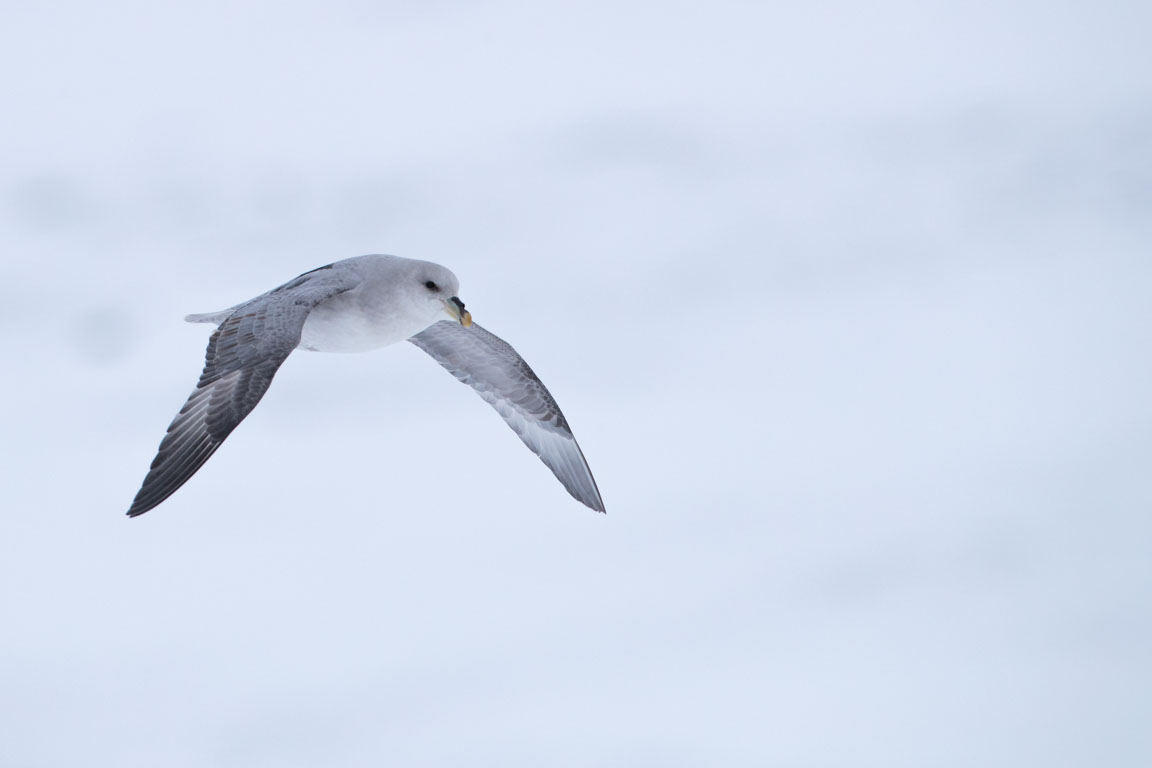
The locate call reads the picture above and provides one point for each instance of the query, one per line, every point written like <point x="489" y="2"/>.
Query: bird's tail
<point x="210" y="317"/>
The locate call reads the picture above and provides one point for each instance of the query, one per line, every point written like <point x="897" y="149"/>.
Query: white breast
<point x="349" y="323"/>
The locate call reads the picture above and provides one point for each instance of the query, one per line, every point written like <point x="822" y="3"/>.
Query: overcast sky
<point x="848" y="305"/>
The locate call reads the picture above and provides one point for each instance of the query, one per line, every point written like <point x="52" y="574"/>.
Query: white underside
<point x="346" y="323"/>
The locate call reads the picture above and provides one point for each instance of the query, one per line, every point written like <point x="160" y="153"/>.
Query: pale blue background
<point x="849" y="305"/>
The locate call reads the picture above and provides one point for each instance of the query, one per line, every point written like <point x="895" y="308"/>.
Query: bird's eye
<point x="431" y="286"/>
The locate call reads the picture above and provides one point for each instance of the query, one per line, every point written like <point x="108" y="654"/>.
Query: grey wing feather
<point x="492" y="367"/>
<point x="243" y="355"/>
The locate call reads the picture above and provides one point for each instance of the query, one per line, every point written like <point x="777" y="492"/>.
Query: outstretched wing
<point x="243" y="355"/>
<point x="491" y="366"/>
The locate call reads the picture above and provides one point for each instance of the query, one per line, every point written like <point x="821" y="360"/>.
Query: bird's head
<point x="434" y="289"/>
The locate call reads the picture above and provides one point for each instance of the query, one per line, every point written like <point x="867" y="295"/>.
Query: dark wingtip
<point x="596" y="504"/>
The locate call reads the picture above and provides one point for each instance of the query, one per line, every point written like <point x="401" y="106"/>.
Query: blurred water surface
<point x="848" y="306"/>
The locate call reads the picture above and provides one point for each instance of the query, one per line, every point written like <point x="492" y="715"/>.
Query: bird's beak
<point x="455" y="308"/>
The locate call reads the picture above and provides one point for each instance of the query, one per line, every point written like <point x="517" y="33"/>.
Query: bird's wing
<point x="243" y="355"/>
<point x="491" y="366"/>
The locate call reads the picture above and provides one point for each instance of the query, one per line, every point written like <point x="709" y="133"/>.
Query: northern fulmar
<point x="357" y="305"/>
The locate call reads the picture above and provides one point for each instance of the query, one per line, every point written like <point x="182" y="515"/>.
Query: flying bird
<point x="357" y="305"/>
